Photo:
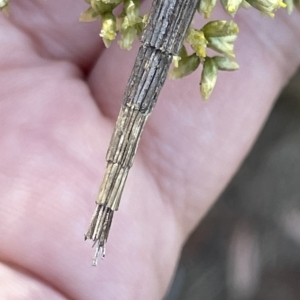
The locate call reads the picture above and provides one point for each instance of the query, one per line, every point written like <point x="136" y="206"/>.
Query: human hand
<point x="60" y="95"/>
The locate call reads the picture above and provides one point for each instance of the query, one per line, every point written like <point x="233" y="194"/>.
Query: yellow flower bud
<point x="208" y="77"/>
<point x="197" y="41"/>
<point x="109" y="28"/>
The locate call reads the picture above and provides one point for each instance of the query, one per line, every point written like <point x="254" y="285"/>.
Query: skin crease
<point x="59" y="98"/>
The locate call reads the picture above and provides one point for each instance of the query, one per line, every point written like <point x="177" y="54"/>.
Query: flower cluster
<point x="217" y="35"/>
<point x="128" y="23"/>
<point x="122" y="17"/>
<point x="231" y="6"/>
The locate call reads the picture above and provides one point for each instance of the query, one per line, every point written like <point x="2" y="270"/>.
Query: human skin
<point x="60" y="95"/>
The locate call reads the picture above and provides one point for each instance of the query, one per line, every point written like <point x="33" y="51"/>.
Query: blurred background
<point x="248" y="246"/>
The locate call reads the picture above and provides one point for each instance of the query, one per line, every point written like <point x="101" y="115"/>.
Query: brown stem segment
<point x="162" y="39"/>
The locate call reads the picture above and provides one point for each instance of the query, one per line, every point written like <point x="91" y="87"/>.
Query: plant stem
<point x="162" y="38"/>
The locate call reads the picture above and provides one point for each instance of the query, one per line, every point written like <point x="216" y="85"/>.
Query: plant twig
<point x="162" y="39"/>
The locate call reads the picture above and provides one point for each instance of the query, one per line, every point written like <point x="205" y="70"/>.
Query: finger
<point x="50" y="144"/>
<point x="55" y="31"/>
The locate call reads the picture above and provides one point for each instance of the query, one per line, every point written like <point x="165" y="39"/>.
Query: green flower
<point x="131" y="9"/>
<point x="267" y="6"/>
<point x="208" y="77"/>
<point x="220" y="36"/>
<point x="225" y="64"/>
<point x="220" y="28"/>
<point x="101" y="7"/>
<point x="223" y="45"/>
<point x="206" y="7"/>
<point x="185" y="66"/>
<point x="231" y="6"/>
<point x="128" y="35"/>
<point x="131" y="24"/>
<point x="96" y="10"/>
